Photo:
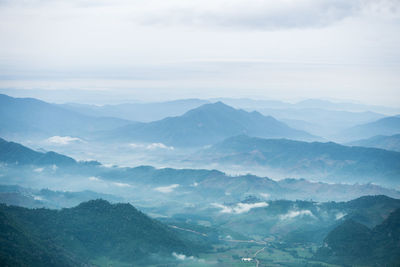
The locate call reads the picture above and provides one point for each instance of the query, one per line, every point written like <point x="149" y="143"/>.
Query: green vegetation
<point x="89" y="231"/>
<point x="354" y="244"/>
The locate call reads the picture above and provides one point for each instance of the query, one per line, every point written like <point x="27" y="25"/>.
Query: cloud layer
<point x="240" y="207"/>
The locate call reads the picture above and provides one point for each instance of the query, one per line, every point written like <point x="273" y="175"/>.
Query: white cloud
<point x="340" y="215"/>
<point x="265" y="195"/>
<point x="38" y="198"/>
<point x="166" y="189"/>
<point x="159" y="146"/>
<point x="121" y="184"/>
<point x="251" y="14"/>
<point x="38" y="169"/>
<point x="295" y="213"/>
<point x="240" y="207"/>
<point x="182" y="257"/>
<point x="93" y="178"/>
<point x="152" y="146"/>
<point x="63" y="140"/>
<point x="133" y="145"/>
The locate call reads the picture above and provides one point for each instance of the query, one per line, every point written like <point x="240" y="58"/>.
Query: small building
<point x="247" y="259"/>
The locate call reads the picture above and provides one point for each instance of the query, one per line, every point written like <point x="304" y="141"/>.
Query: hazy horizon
<point x="162" y="50"/>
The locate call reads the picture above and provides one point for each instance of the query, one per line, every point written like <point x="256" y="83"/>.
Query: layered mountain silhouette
<point x="14" y="153"/>
<point x="304" y="158"/>
<point x="210" y="184"/>
<point x="384" y="126"/>
<point x="208" y="124"/>
<point x="380" y="141"/>
<point x="29" y="117"/>
<point x="143" y="112"/>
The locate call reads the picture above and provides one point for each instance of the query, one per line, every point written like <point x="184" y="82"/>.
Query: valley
<point x="237" y="194"/>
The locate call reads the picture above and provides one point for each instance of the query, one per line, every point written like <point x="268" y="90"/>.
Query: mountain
<point x="143" y="112"/>
<point x="323" y="160"/>
<point x="352" y="243"/>
<point x="14" y="153"/>
<point x="93" y="230"/>
<point x="32" y="118"/>
<point x="380" y="141"/>
<point x="210" y="185"/>
<point x="21" y="248"/>
<point x="320" y="121"/>
<point x="321" y="104"/>
<point x="296" y="221"/>
<point x="46" y="198"/>
<point x="206" y="125"/>
<point x="347" y="106"/>
<point x="202" y="187"/>
<point x="385" y="126"/>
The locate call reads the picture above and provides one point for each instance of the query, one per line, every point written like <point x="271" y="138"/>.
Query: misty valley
<point x="193" y="182"/>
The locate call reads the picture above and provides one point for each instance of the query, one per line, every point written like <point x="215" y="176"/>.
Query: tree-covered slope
<point x="352" y="243"/>
<point x="92" y="230"/>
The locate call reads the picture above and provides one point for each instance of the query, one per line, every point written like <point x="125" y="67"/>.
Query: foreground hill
<point x="32" y="118"/>
<point x="352" y="243"/>
<point x="92" y="230"/>
<point x="380" y="141"/>
<point x="206" y="125"/>
<point x="329" y="160"/>
<point x="385" y="126"/>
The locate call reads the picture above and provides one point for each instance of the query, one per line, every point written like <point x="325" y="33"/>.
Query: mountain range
<point x="206" y="125"/>
<point x="380" y="141"/>
<point x="14" y="153"/>
<point x="330" y="160"/>
<point x="32" y="118"/>
<point x="141" y="112"/>
<point x="203" y="185"/>
<point x="385" y="126"/>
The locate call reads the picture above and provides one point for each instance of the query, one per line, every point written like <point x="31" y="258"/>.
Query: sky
<point x="152" y="50"/>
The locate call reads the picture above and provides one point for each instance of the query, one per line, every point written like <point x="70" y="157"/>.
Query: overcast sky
<point x="165" y="49"/>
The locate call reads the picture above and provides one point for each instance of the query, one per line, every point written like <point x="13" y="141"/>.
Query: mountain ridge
<point x="206" y="125"/>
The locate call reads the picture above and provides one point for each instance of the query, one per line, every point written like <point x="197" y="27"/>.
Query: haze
<point x="118" y="51"/>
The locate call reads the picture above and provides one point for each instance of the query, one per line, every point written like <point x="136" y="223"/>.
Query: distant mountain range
<point x="319" y="117"/>
<point x="386" y="126"/>
<point x="321" y="104"/>
<point x="141" y="112"/>
<point x="46" y="198"/>
<point x="94" y="230"/>
<point x="208" y="124"/>
<point x="14" y="153"/>
<point x="32" y="118"/>
<point x="203" y="185"/>
<point x="321" y="121"/>
<point x="385" y="142"/>
<point x="352" y="243"/>
<point x="330" y="160"/>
